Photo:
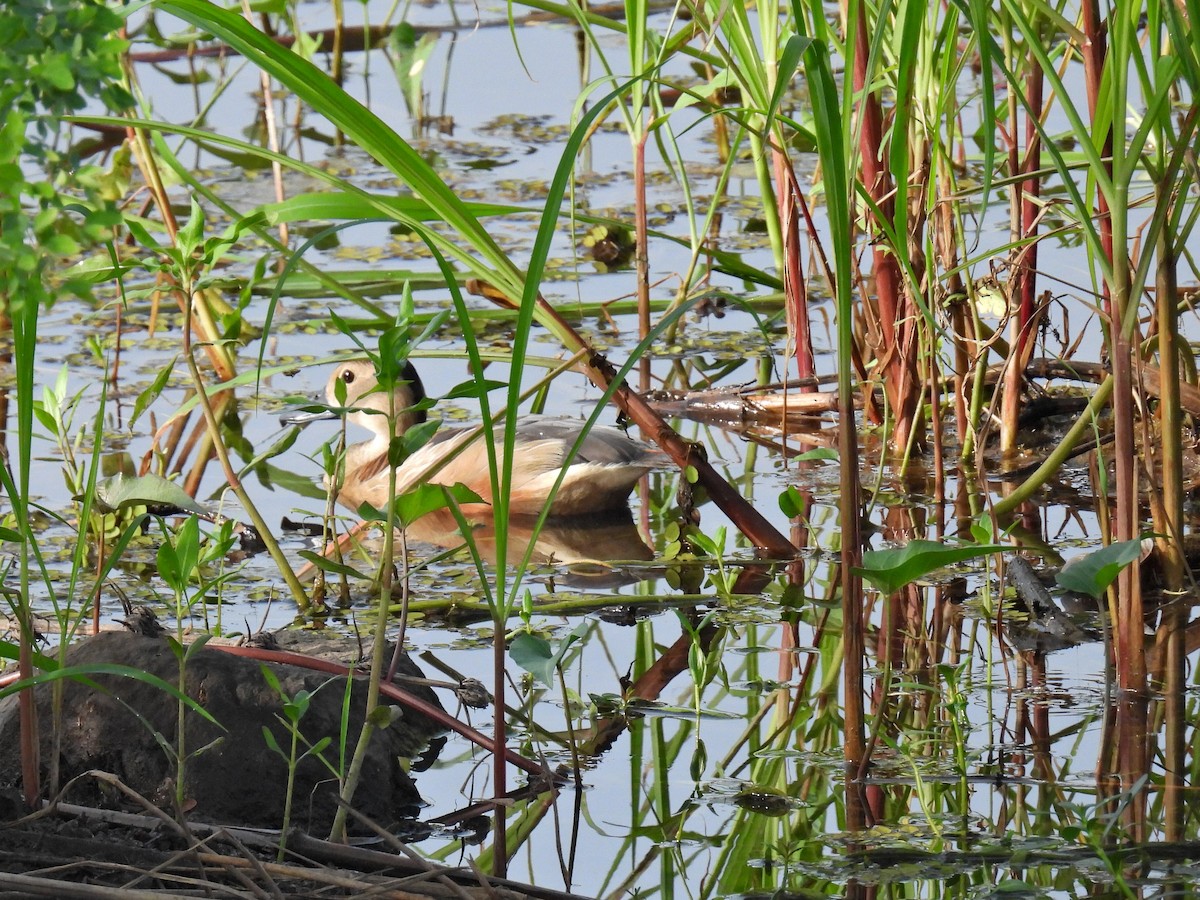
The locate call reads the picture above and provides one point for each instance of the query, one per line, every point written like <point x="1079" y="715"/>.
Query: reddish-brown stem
<point x="499" y="752"/>
<point x="30" y="774"/>
<point x="795" y="294"/>
<point x="896" y="354"/>
<point x="1128" y="614"/>
<point x="1024" y="279"/>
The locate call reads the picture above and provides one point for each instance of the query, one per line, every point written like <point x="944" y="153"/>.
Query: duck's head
<point x="371" y="405"/>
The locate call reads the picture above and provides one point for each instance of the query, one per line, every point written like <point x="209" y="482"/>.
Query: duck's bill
<point x="304" y="414"/>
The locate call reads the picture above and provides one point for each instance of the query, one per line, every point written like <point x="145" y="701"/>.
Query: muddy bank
<point x="121" y="725"/>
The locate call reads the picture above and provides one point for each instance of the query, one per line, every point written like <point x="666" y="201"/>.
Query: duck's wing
<point x="602" y="446"/>
<point x="599" y="477"/>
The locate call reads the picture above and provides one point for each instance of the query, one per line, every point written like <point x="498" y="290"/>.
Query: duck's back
<point x="600" y="476"/>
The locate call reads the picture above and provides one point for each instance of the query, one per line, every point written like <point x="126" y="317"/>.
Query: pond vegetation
<point x="901" y="292"/>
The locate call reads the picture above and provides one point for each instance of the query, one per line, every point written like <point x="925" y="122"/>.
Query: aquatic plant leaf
<point x="701" y="92"/>
<point x="474" y="389"/>
<point x="423" y="499"/>
<point x="11" y="650"/>
<point x="293" y="483"/>
<point x="699" y="761"/>
<point x="329" y="566"/>
<point x="150" y="394"/>
<point x="535" y="655"/>
<point x="820" y="454"/>
<point x="791" y="502"/>
<point x="1093" y="573"/>
<point x="890" y="570"/>
<point x="385" y="715"/>
<point x="765" y="799"/>
<point x="272" y="744"/>
<point x="670" y="711"/>
<point x="338" y="206"/>
<point x="789" y="62"/>
<point x="405" y="445"/>
<point x="152" y="491"/>
<point x="410" y="53"/>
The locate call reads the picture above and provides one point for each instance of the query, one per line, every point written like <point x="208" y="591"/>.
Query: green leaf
<point x="698" y="766"/>
<point x="187" y="548"/>
<point x="298" y="706"/>
<point x="791" y="502"/>
<point x="1093" y="573"/>
<point x="474" y="389"/>
<point x="355" y="207"/>
<point x="384" y="715"/>
<point x="56" y="70"/>
<point x="271" y="679"/>
<point x="412" y="440"/>
<point x="789" y="62"/>
<point x="697" y="93"/>
<point x="328" y="565"/>
<point x="153" y="491"/>
<point x="427" y="498"/>
<point x="320" y="745"/>
<point x="168" y="566"/>
<point x="150" y="394"/>
<point x="1015" y="886"/>
<point x="534" y="655"/>
<point x="191" y="234"/>
<point x="83" y="673"/>
<point x="271" y="743"/>
<point x="890" y="570"/>
<point x="60" y="245"/>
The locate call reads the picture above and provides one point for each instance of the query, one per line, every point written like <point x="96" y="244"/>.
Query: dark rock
<point x="110" y="723"/>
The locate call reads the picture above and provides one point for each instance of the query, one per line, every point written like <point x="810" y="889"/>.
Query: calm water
<point x="662" y="807"/>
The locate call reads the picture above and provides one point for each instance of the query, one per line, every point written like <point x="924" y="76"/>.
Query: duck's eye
<point x="348" y="376"/>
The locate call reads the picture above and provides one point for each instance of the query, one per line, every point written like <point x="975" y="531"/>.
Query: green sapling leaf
<point x="533" y="654"/>
<point x="890" y="570"/>
<point x="1092" y="574"/>
<point x="270" y="741"/>
<point x="791" y="502"/>
<point x="152" y="491"/>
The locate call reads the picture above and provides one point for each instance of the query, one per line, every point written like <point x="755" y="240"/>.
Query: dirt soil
<point x="128" y="728"/>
